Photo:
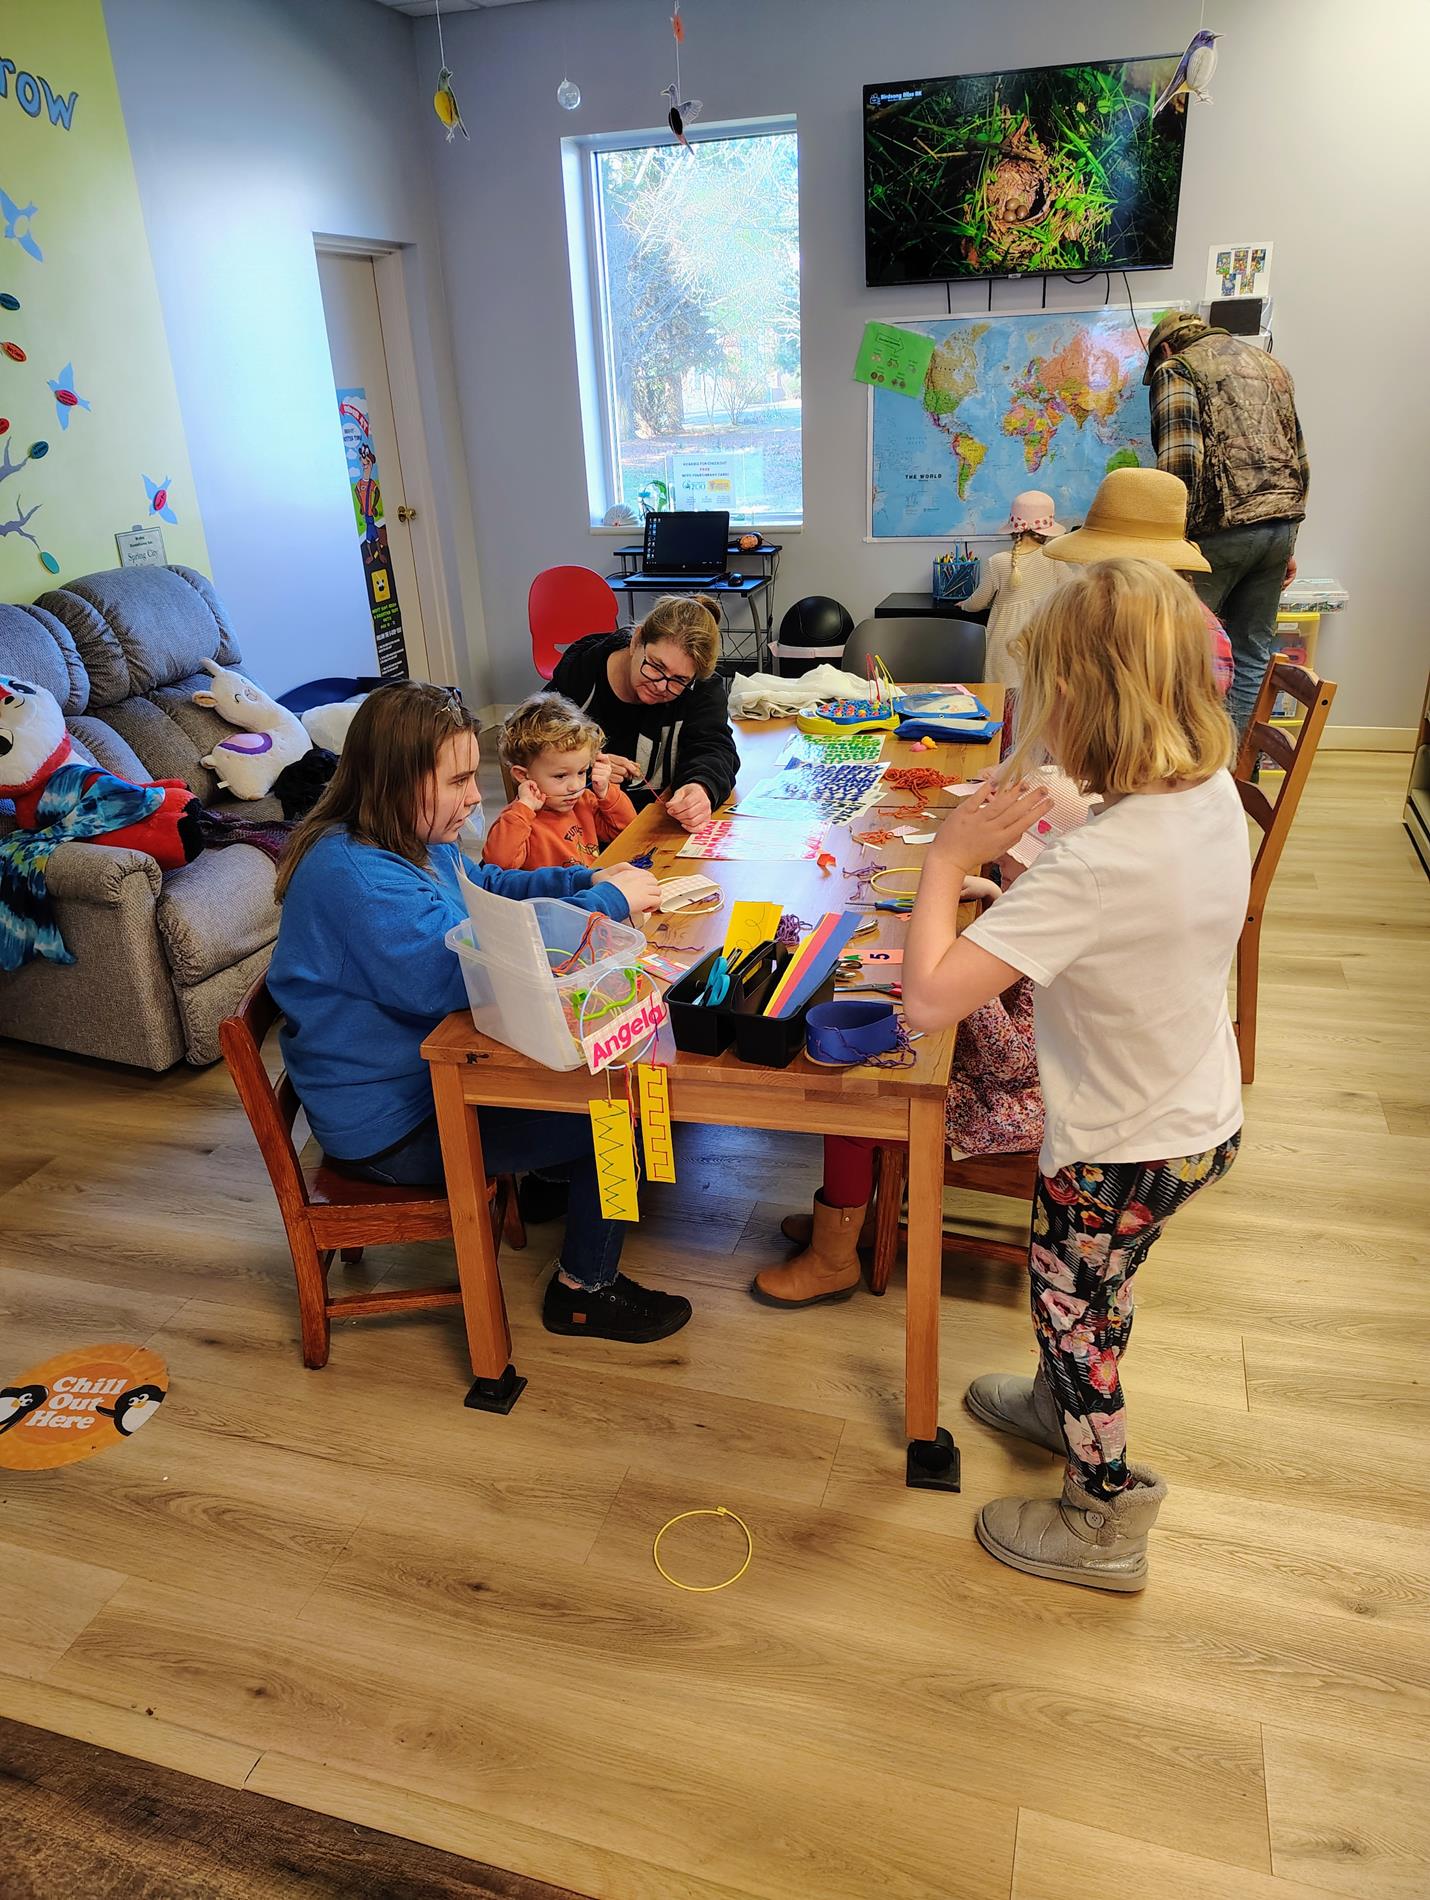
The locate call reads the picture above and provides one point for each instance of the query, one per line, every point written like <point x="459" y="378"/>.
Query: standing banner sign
<point x="377" y="564"/>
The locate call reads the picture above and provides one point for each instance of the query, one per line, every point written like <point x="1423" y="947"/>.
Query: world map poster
<point x="1053" y="401"/>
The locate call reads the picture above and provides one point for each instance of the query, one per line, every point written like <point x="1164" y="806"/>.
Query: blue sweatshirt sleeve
<point x="568" y="882"/>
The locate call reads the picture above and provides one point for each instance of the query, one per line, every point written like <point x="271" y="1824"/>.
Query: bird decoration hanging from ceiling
<point x="1194" y="72"/>
<point x="444" y="99"/>
<point x="680" y="112"/>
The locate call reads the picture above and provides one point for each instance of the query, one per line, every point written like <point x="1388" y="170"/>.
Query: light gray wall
<point x="1313" y="140"/>
<point x="253" y="125"/>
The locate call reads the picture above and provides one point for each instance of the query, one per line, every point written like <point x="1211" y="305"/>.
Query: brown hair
<point x="688" y="621"/>
<point x="547" y="722"/>
<point x="1117" y="682"/>
<point x="391" y="748"/>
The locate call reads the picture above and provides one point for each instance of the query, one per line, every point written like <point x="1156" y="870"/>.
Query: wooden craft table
<point x="907" y="1105"/>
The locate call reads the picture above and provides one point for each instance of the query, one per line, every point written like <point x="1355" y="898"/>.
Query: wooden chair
<point x="325" y="1211"/>
<point x="1012" y="1175"/>
<point x="1291" y="750"/>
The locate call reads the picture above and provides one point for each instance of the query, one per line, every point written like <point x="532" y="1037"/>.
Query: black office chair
<point x="939" y="651"/>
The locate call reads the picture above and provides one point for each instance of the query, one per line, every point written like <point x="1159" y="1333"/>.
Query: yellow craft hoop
<point x="894" y="870"/>
<point x="704" y="1589"/>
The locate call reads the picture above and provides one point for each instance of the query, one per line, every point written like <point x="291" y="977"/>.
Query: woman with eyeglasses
<point x="664" y="709"/>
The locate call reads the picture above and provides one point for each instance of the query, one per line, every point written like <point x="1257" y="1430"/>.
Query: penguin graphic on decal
<point x="133" y="1408"/>
<point x="18" y="1401"/>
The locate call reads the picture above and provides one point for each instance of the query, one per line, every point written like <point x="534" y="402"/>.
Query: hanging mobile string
<point x="441" y="49"/>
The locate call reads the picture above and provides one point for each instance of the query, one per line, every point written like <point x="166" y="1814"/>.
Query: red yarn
<point x="917" y="778"/>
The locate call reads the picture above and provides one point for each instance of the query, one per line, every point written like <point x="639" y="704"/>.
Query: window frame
<point x="586" y="256"/>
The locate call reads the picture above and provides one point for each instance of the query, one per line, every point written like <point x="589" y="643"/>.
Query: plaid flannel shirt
<point x="1177" y="432"/>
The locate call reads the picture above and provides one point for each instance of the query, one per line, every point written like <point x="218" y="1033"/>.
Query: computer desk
<point x="755" y="590"/>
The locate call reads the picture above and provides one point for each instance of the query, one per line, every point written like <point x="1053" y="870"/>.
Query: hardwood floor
<point x="344" y="1590"/>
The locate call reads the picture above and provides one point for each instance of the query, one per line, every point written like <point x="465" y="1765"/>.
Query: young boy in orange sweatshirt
<point x="566" y="807"/>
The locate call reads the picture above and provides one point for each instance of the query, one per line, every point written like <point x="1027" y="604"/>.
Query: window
<point x="685" y="276"/>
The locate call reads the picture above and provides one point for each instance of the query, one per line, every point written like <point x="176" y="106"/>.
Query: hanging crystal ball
<point x="568" y="95"/>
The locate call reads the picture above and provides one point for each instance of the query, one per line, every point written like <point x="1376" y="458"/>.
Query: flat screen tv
<point x="1053" y="168"/>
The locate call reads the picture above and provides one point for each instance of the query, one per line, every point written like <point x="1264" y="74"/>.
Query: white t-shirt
<point x="1128" y="927"/>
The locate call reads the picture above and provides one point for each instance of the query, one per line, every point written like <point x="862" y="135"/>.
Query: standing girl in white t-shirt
<point x="1127" y="928"/>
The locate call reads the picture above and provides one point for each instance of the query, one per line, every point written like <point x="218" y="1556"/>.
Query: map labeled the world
<point x="1051" y="401"/>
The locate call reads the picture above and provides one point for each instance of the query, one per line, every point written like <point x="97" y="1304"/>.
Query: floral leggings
<point x="1093" y="1226"/>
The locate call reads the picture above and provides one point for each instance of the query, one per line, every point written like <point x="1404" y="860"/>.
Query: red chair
<point x="565" y="604"/>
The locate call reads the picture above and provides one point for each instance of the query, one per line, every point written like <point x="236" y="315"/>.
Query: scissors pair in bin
<point x="725" y="972"/>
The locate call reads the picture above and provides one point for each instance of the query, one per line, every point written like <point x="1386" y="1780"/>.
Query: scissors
<point x="722" y="977"/>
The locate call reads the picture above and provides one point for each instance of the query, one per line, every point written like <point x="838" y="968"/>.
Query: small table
<point x="470" y="1070"/>
<point x="924" y="607"/>
<point x="751" y="588"/>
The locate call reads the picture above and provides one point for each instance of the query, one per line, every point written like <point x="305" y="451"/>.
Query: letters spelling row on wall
<point x="33" y="95"/>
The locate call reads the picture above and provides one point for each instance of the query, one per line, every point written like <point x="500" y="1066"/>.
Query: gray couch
<point x="160" y="958"/>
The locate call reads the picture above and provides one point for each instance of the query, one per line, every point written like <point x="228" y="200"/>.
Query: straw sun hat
<point x="1140" y="513"/>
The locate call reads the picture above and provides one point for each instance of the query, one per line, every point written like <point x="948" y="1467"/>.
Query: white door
<point x="355" y="338"/>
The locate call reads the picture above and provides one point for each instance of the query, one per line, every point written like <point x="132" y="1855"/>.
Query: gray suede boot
<point x="1077" y="1538"/>
<point x="1025" y="1408"/>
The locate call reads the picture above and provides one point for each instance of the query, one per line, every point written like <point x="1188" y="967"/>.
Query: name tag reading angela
<point x="616" y="1036"/>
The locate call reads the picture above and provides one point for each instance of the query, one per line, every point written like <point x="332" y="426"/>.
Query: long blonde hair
<point x="1117" y="682"/>
<point x="1025" y="541"/>
<point x="391" y="747"/>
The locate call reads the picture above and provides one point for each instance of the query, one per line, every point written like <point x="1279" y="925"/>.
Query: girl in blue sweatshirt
<point x="362" y="974"/>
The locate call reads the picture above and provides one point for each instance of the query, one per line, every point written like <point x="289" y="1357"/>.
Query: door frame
<point x="418" y="490"/>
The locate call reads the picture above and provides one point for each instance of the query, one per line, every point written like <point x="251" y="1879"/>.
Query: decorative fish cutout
<point x="65" y="397"/>
<point x="1194" y="72"/>
<point x="159" y="500"/>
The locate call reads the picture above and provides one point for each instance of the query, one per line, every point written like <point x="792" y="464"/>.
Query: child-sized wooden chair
<point x="1290" y="747"/>
<point x="326" y="1212"/>
<point x="1012" y="1175"/>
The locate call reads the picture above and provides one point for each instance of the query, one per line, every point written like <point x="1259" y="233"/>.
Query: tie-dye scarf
<point x="69" y="809"/>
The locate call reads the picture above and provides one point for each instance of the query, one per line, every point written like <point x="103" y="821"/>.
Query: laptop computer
<point x="686" y="546"/>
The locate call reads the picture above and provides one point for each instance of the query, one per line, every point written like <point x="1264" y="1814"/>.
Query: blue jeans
<point x="1244" y="590"/>
<point x="521" y="1138"/>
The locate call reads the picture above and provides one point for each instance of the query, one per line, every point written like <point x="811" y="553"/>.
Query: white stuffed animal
<point x="271" y="739"/>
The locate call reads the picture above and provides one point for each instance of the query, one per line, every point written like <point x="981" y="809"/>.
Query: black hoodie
<point x="684" y="742"/>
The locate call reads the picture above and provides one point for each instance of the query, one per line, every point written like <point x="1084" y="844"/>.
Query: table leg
<point x="496" y="1387"/>
<point x="933" y="1462"/>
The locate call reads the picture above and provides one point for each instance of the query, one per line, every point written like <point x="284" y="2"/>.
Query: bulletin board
<point x="93" y="441"/>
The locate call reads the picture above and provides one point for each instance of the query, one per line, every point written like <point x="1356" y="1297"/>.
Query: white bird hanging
<point x="682" y="112"/>
<point x="1194" y="72"/>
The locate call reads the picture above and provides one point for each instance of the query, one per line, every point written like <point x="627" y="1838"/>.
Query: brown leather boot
<point x="828" y="1269"/>
<point x="800" y="1229"/>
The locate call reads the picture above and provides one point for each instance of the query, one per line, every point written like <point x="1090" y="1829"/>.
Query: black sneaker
<point x="621" y="1310"/>
<point x="541" y="1200"/>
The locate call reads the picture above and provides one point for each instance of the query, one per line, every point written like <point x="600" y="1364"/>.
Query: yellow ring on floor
<point x="704" y="1589"/>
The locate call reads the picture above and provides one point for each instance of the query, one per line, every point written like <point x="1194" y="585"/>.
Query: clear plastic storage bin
<point x="523" y="1007"/>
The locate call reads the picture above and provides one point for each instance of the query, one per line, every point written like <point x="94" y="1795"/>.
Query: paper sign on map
<point x="891" y="358"/>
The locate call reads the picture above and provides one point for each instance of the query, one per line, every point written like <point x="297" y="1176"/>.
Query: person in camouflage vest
<point x="1224" y="421"/>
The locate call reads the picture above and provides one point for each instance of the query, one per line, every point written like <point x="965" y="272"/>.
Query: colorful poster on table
<point x="366" y="480"/>
<point x="91" y="438"/>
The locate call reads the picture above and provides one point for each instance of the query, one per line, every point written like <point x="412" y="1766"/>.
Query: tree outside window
<point x="700" y="324"/>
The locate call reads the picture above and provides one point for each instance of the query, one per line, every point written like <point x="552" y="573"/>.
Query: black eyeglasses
<point x="667" y="682"/>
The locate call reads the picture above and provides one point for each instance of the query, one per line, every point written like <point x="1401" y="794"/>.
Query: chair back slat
<point x="1256" y="804"/>
<point x="1276" y="744"/>
<point x="271" y="1108"/>
<point x="1295" y="755"/>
